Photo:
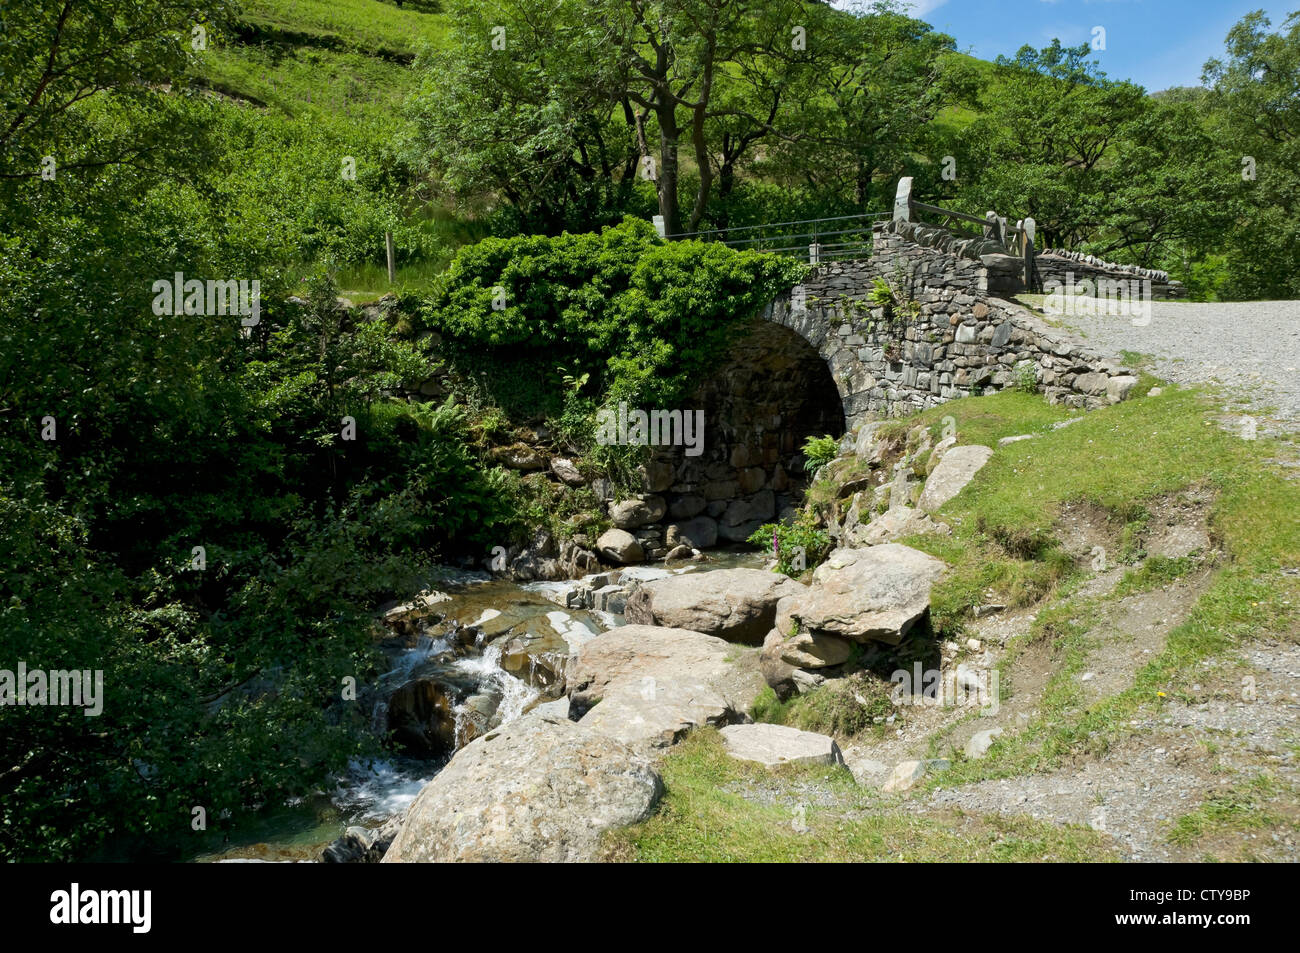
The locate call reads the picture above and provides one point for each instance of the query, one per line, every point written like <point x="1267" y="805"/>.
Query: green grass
<point x="345" y="62"/>
<point x="818" y="814"/>
<point x="986" y="420"/>
<point x="1256" y="513"/>
<point x="1222" y="825"/>
<point x="365" y="282"/>
<point x="342" y="67"/>
<point x="837" y="709"/>
<point x="320" y="84"/>
<point x="1120" y="459"/>
<point x="366" y="25"/>
<point x="1155" y="571"/>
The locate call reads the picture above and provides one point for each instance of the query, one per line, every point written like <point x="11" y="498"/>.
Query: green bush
<point x="644" y="318"/>
<point x="819" y="451"/>
<point x="798" y="545"/>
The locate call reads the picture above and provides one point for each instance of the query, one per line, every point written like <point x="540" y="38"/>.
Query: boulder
<point x="815" y="650"/>
<point x="734" y="604"/>
<point x="421" y="714"/>
<point x="540" y="788"/>
<point x="771" y="745"/>
<point x="958" y="466"/>
<point x="536" y="656"/>
<point x="940" y="448"/>
<point x="865" y="446"/>
<point x="907" y="773"/>
<point x="609" y="599"/>
<point x="566" y="471"/>
<point x="979" y="743"/>
<point x="861" y="595"/>
<point x="1118" y="388"/>
<point x="631" y="514"/>
<point x="777" y="672"/>
<point x="894" y="524"/>
<point x="620" y="546"/>
<point x="520" y="456"/>
<point x="653" y="713"/>
<point x="641" y="656"/>
<point x="362" y="845"/>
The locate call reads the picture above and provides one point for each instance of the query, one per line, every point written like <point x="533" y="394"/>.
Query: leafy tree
<point x="59" y="54"/>
<point x="536" y="114"/>
<point x="1168" y="190"/>
<point x="1050" y="121"/>
<point x="1256" y="109"/>
<point x="865" y="112"/>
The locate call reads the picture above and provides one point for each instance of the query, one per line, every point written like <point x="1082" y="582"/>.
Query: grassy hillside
<point x="341" y="61"/>
<point x="373" y="26"/>
<point x="338" y="71"/>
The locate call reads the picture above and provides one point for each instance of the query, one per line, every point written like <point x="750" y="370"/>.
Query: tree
<point x="1167" y="193"/>
<point x="865" y="113"/>
<point x="527" y="102"/>
<point x="1050" y="120"/>
<point x="1256" y="110"/>
<point x="59" y="54"/>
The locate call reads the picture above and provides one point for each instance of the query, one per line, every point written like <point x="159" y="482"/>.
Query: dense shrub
<point x="644" y="317"/>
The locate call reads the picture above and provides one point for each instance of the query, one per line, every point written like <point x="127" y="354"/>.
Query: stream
<point x="486" y="651"/>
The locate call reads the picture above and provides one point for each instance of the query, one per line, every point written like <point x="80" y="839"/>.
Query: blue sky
<point x="1156" y="43"/>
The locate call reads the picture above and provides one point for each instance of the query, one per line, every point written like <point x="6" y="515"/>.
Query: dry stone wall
<point x="1067" y="266"/>
<point x="946" y="335"/>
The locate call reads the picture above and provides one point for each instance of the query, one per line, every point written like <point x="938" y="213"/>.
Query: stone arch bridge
<point x="827" y="356"/>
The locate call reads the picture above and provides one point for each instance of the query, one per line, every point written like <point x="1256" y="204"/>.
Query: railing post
<point x="991" y="230"/>
<point x="1031" y="270"/>
<point x="903" y="200"/>
<point x="660" y="227"/>
<point x="814" y="253"/>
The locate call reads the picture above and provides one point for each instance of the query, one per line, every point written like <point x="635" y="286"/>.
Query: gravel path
<point x="1249" y="349"/>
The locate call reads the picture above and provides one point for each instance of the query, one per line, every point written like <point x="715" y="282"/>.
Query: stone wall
<point x="1062" y="266"/>
<point x="760" y="404"/>
<point x="917" y="257"/>
<point x="946" y="335"/>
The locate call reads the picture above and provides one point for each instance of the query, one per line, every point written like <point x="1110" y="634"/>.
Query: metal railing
<point x="850" y="236"/>
<point x="814" y="239"/>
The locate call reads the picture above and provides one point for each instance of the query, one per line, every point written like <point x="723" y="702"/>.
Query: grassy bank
<point x="1117" y="466"/>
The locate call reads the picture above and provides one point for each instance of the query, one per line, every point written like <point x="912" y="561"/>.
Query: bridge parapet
<point x="941" y="332"/>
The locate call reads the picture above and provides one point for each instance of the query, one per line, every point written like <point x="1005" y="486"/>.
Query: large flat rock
<point x="648" y="685"/>
<point x="957" y="468"/>
<point x="738" y="605"/>
<point x="642" y="655"/>
<point x="778" y="744"/>
<point x="537" y="789"/>
<point x="657" y="714"/>
<point x="861" y="595"/>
